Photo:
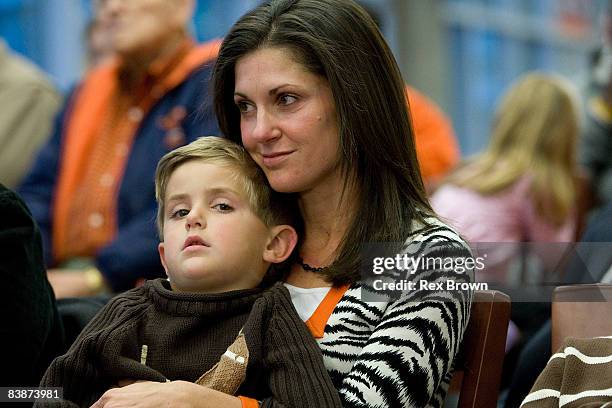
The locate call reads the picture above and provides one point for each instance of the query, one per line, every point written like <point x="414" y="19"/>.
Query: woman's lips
<point x="274" y="159"/>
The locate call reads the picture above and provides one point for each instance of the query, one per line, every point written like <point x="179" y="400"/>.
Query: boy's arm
<point x="82" y="371"/>
<point x="76" y="372"/>
<point x="297" y="375"/>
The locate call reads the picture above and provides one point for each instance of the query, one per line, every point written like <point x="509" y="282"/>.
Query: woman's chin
<point x="282" y="184"/>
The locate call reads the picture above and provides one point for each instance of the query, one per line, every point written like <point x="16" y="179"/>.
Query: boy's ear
<point x="283" y="239"/>
<point x="162" y="256"/>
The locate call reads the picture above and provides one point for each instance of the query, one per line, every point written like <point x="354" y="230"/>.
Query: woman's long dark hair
<point x="338" y="40"/>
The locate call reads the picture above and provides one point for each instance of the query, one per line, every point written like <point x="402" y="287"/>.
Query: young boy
<point x="222" y="231"/>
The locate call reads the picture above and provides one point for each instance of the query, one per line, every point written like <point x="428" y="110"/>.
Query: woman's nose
<point x="266" y="129"/>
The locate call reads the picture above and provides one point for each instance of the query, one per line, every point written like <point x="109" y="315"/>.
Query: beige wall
<point x="422" y="48"/>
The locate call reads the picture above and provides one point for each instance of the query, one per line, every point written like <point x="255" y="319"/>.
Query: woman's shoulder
<point x="432" y="229"/>
<point x="433" y="236"/>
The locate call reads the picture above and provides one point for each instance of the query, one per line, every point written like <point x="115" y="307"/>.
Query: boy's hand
<point x="175" y="393"/>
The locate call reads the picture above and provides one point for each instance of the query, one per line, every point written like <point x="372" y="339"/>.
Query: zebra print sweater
<point x="399" y="353"/>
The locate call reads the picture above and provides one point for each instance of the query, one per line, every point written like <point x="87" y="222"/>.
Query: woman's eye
<point x="286" y="99"/>
<point x="244" y="107"/>
<point x="223" y="207"/>
<point x="180" y="213"/>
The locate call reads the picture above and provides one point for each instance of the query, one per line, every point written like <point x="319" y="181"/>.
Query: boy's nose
<point x="195" y="220"/>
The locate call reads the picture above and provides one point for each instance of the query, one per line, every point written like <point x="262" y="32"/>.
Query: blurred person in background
<point x="32" y="333"/>
<point x="434" y="139"/>
<point x="596" y="142"/>
<point x="521" y="188"/>
<point x="99" y="43"/>
<point x="91" y="189"/>
<point x="590" y="263"/>
<point x="575" y="376"/>
<point x="28" y="102"/>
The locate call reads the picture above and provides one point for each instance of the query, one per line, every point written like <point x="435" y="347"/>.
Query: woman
<point x="522" y="187"/>
<point x="312" y="91"/>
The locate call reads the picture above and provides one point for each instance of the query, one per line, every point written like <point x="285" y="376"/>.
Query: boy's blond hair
<point x="271" y="207"/>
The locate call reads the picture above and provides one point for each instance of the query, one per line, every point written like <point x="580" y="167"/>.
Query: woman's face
<point x="287" y="120"/>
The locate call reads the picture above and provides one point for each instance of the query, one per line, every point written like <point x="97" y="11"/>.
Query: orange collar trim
<point x="166" y="73"/>
<point x="197" y="56"/>
<point x="318" y="320"/>
<point x="165" y="63"/>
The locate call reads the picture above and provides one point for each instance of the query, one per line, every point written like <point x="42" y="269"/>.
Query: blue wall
<point x="493" y="42"/>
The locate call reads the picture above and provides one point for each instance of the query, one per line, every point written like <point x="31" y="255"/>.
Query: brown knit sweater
<point x="185" y="336"/>
<point x="579" y="375"/>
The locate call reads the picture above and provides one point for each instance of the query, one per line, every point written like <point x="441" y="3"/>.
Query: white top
<point x="305" y="300"/>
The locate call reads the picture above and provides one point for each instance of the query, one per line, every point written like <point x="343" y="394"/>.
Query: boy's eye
<point x="180" y="213"/>
<point x="223" y="207"/>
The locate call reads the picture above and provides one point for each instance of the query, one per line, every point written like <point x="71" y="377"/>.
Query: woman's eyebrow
<point x="276" y="90"/>
<point x="272" y="91"/>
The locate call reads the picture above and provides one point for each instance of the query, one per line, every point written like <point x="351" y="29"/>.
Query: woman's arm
<point x="412" y="347"/>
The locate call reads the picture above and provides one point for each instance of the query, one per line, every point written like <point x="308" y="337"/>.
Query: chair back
<point x="581" y="311"/>
<point x="478" y="366"/>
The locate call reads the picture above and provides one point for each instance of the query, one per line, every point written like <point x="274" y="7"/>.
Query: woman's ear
<point x="283" y="239"/>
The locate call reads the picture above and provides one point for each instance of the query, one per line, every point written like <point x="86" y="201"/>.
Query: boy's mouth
<point x="194" y="241"/>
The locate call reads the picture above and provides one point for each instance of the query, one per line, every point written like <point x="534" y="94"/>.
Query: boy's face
<point x="213" y="241"/>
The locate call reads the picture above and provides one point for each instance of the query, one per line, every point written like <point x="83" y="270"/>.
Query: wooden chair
<point x="581" y="311"/>
<point x="478" y="366"/>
